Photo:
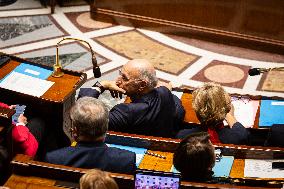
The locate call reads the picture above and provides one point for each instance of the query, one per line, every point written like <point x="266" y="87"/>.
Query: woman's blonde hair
<point x="97" y="179"/>
<point x="211" y="103"/>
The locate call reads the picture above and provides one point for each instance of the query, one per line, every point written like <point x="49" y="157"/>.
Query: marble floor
<point x="28" y="30"/>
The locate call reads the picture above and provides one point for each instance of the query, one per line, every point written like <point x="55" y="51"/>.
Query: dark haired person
<point x="195" y="157"/>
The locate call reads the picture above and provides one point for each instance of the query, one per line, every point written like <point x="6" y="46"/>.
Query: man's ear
<point x="75" y="133"/>
<point x="142" y="85"/>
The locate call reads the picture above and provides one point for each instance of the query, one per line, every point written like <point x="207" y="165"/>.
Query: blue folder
<point x="34" y="71"/>
<point x="223" y="167"/>
<point x="271" y="112"/>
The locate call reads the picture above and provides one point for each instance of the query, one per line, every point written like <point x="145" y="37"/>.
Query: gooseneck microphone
<point x="96" y="68"/>
<point x="257" y="71"/>
<point x="57" y="67"/>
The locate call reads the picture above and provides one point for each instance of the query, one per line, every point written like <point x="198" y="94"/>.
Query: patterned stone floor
<point x="31" y="32"/>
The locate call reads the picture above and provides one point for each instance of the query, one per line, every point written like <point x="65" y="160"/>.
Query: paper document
<point x="245" y="111"/>
<point x="34" y="71"/>
<point x="178" y="94"/>
<point x="26" y="84"/>
<point x="262" y="169"/>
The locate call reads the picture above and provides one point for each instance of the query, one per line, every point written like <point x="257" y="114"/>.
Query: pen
<point x="156" y="155"/>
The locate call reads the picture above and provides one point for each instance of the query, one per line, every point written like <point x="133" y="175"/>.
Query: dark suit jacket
<point x="158" y="113"/>
<point x="238" y="134"/>
<point x="94" y="155"/>
<point x="276" y="136"/>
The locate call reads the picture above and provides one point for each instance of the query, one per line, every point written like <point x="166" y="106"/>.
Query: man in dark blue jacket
<point x="89" y="118"/>
<point x="153" y="110"/>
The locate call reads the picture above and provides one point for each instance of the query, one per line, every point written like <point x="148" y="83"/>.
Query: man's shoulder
<point x="61" y="152"/>
<point x="162" y="89"/>
<point x="120" y="152"/>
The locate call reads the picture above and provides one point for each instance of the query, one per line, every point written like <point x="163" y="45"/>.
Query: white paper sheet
<point x="245" y="112"/>
<point x="26" y="84"/>
<point x="262" y="169"/>
<point x="178" y="94"/>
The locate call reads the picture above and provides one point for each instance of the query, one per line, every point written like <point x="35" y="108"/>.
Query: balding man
<point x="153" y="110"/>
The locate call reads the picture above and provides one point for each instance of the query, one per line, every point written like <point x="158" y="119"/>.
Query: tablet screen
<point x="146" y="179"/>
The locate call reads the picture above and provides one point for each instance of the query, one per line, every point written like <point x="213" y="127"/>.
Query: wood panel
<point x="241" y="22"/>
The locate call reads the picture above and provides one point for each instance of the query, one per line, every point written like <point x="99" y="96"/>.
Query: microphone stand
<point x="57" y="67"/>
<point x="275" y="69"/>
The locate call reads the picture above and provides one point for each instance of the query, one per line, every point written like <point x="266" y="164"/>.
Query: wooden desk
<point x="23" y="182"/>
<point x="54" y="104"/>
<point x="166" y="147"/>
<point x="33" y="174"/>
<point x="258" y="134"/>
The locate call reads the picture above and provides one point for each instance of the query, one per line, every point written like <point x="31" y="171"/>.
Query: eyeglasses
<point x="244" y="99"/>
<point x="123" y="76"/>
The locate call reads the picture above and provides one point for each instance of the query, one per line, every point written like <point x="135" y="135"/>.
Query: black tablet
<point x="156" y="180"/>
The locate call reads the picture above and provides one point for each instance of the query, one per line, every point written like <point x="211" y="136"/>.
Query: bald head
<point x="142" y="69"/>
<point x="141" y="64"/>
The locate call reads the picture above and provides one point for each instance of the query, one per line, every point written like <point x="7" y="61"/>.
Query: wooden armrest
<point x="6" y="113"/>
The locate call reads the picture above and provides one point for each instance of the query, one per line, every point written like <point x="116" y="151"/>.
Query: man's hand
<point x="115" y="91"/>
<point x="12" y="106"/>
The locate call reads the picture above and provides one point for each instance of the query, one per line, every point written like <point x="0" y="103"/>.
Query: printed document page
<point x="262" y="169"/>
<point x="245" y="111"/>
<point x="26" y="84"/>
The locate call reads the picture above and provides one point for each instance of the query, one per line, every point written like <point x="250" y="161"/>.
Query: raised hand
<point x="115" y="91"/>
<point x="22" y="119"/>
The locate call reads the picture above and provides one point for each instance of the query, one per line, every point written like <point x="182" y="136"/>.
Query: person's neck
<point x="90" y="139"/>
<point x="141" y="93"/>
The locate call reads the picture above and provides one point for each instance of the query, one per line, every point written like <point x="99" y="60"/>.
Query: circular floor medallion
<point x="224" y="73"/>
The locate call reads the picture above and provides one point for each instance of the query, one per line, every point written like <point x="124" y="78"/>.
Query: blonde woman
<point x="212" y="105"/>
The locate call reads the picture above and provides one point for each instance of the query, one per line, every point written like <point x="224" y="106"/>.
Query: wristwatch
<point x="99" y="86"/>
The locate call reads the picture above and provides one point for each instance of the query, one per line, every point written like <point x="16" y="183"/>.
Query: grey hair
<point x="149" y="76"/>
<point x="90" y="116"/>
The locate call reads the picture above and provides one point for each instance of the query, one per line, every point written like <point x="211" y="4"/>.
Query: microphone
<point x="257" y="71"/>
<point x="96" y="68"/>
<point x="57" y="67"/>
<point x="4" y="59"/>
